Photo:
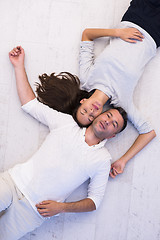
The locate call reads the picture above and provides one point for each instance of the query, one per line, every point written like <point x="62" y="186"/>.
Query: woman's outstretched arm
<point x="127" y="34"/>
<point x="142" y="140"/>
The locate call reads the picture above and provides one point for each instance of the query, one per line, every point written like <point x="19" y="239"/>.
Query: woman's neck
<point x="101" y="96"/>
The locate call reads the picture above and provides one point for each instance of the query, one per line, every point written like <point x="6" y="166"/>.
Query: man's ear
<point x="112" y="136"/>
<point x="83" y="100"/>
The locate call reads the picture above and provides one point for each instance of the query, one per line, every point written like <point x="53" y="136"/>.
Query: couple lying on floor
<point x="74" y="150"/>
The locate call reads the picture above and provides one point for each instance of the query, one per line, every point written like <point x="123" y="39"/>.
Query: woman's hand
<point x="116" y="168"/>
<point x="131" y="35"/>
<point x="16" y="56"/>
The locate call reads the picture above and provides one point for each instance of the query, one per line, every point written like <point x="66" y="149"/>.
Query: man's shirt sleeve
<point x="45" y="114"/>
<point x="97" y="185"/>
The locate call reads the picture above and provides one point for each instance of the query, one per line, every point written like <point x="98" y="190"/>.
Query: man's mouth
<point x="102" y="125"/>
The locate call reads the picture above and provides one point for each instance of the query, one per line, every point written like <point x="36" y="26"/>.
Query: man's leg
<point x="19" y="218"/>
<point x="5" y="193"/>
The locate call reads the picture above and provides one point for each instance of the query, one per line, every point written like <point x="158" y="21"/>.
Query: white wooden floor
<point x="50" y="32"/>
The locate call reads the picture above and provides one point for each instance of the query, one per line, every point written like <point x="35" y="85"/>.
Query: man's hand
<point x="49" y="208"/>
<point x="16" y="56"/>
<point x="116" y="168"/>
<point x="131" y="35"/>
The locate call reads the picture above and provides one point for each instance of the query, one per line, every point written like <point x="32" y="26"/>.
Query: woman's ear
<point x="83" y="100"/>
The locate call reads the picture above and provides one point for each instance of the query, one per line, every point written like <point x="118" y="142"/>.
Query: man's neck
<point x="90" y="137"/>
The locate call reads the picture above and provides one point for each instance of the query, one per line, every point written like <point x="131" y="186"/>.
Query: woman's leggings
<point x="146" y="14"/>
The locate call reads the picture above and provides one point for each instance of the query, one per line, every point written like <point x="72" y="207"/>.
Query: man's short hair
<point x="122" y="112"/>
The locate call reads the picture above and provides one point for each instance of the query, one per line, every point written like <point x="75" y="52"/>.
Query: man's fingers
<point x="45" y="215"/>
<point x="111" y="175"/>
<point x="15" y="51"/>
<point x="45" y="202"/>
<point x="43" y="212"/>
<point x="40" y="206"/>
<point x="12" y="53"/>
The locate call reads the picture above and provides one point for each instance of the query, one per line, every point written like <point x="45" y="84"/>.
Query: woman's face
<point x="88" y="111"/>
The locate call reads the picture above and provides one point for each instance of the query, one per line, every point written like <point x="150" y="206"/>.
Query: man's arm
<point x="50" y="208"/>
<point x="24" y="89"/>
<point x="142" y="140"/>
<point x="126" y="34"/>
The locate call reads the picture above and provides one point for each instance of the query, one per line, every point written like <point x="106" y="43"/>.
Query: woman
<point x="61" y="92"/>
<point x="117" y="70"/>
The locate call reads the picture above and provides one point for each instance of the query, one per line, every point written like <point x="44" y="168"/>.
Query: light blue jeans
<point x="17" y="217"/>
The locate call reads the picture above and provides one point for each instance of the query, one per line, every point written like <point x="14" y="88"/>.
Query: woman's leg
<point x="146" y="14"/>
<point x="154" y="3"/>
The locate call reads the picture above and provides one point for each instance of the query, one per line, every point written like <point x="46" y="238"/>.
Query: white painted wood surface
<point x="50" y="32"/>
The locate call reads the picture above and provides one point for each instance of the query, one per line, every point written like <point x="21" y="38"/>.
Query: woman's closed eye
<point x="91" y="118"/>
<point x="83" y="111"/>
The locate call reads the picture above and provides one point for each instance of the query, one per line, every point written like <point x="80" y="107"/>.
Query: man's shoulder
<point x="104" y="153"/>
<point x="100" y="154"/>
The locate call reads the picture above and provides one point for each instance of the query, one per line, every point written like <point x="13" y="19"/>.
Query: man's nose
<point x="107" y="122"/>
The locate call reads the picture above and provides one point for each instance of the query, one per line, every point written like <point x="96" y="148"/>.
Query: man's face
<point x="108" y="124"/>
<point x="88" y="111"/>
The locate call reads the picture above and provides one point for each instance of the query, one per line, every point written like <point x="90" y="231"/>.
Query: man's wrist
<point x="19" y="67"/>
<point x="62" y="207"/>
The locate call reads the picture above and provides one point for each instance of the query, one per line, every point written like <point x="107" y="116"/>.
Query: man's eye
<point x="108" y="115"/>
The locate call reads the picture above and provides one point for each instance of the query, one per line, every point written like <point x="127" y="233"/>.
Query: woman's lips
<point x="96" y="105"/>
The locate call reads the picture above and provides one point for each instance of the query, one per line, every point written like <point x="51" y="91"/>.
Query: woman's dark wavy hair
<point x="61" y="92"/>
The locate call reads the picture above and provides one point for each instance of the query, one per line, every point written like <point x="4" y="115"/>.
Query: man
<point x="70" y="155"/>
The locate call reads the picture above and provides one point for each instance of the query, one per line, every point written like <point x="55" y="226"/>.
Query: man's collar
<point x="99" y="145"/>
